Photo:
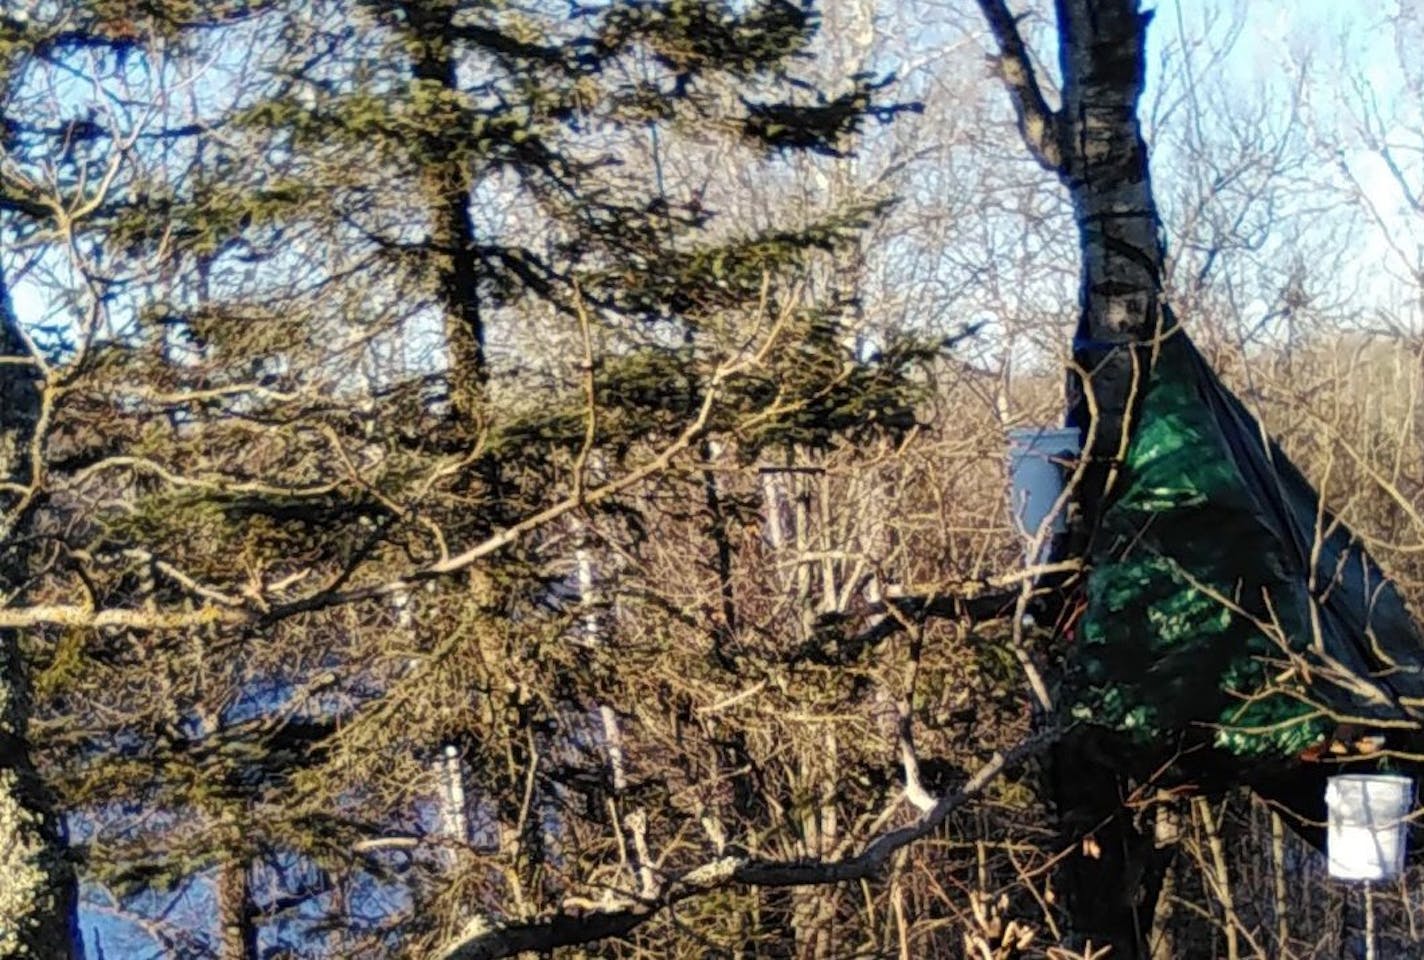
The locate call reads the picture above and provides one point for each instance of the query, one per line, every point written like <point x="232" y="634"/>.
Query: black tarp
<point x="1222" y="600"/>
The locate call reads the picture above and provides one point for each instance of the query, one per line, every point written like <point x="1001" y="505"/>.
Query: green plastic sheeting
<point x="1202" y="612"/>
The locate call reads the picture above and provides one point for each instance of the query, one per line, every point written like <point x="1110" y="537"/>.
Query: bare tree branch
<point x="485" y="941"/>
<point x="1040" y="125"/>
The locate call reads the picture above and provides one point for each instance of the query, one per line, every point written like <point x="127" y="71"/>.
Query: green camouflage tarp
<point x="1202" y="613"/>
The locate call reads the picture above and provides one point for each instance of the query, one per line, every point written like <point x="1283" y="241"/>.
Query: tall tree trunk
<point x="1093" y="143"/>
<point x="37" y="886"/>
<point x="237" y="929"/>
<point x="1104" y="165"/>
<point x="451" y="238"/>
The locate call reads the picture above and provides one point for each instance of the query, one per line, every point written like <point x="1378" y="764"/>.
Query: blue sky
<point x="1338" y="39"/>
<point x="1342" y="49"/>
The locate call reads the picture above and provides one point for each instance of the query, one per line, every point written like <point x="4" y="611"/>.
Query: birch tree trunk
<point x="37" y="886"/>
<point x="1104" y="165"/>
<point x="1093" y="143"/>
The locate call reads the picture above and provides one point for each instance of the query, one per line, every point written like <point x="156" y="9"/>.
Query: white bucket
<point x="1367" y="828"/>
<point x="1037" y="460"/>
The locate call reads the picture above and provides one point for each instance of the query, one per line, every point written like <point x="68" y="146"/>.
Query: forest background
<point x="486" y="463"/>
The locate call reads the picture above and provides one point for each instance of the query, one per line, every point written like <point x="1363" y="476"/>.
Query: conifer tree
<point x="380" y="313"/>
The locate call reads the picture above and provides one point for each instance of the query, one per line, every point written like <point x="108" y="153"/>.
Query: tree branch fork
<point x="1041" y="126"/>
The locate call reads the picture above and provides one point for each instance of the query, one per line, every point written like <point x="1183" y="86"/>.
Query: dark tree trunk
<point x="37" y="885"/>
<point x="451" y="243"/>
<point x="1112" y="897"/>
<point x="1104" y="165"/>
<point x="237" y="925"/>
<point x="1093" y="143"/>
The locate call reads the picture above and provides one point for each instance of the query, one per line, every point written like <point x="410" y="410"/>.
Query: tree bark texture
<point x="37" y="885"/>
<point x="236" y="922"/>
<point x="1102" y="53"/>
<point x="1093" y="143"/>
<point x="1102" y="50"/>
<point x="1115" y="869"/>
<point x="451" y="243"/>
